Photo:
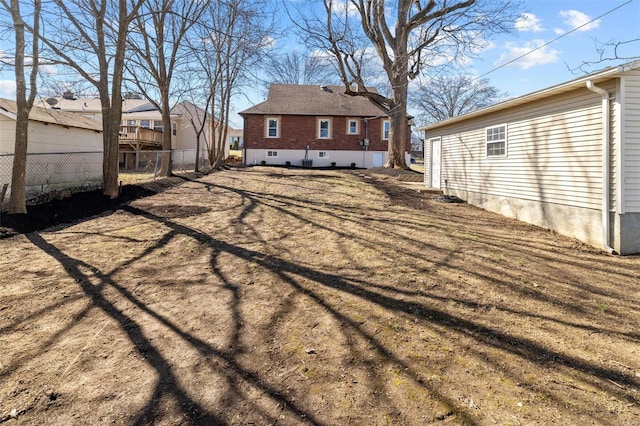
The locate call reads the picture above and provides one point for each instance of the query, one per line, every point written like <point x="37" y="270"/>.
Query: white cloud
<point x="529" y="22"/>
<point x="8" y="89"/>
<point x="342" y="6"/>
<point x="542" y="56"/>
<point x="575" y="19"/>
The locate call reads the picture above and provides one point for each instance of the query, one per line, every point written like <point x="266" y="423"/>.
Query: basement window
<point x="496" y="141"/>
<point x="272" y="154"/>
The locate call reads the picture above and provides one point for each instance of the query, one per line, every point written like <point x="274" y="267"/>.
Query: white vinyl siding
<point x="554" y="149"/>
<point x="631" y="137"/>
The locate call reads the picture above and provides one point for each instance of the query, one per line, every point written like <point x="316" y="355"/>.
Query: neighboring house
<point x="318" y="124"/>
<point x="64" y="149"/>
<point x="141" y="127"/>
<point x="565" y="158"/>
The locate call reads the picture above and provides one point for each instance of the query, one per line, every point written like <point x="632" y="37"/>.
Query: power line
<point x="555" y="39"/>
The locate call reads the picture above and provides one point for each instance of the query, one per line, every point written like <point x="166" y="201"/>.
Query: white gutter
<point x="605" y="163"/>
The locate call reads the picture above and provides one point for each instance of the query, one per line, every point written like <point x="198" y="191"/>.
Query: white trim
<point x="541" y="94"/>
<point x="620" y="125"/>
<point x="357" y="122"/>
<point x="319" y="128"/>
<point x="386" y="138"/>
<point x="487" y="142"/>
<point x="267" y="128"/>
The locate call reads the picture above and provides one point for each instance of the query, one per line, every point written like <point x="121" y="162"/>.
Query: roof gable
<point x="294" y="99"/>
<point x="52" y="116"/>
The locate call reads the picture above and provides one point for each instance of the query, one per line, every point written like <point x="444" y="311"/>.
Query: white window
<point x="272" y="154"/>
<point x="144" y="123"/>
<point x="496" y="141"/>
<point x="157" y="125"/>
<point x="174" y="129"/>
<point x="324" y="128"/>
<point x="131" y="122"/>
<point x="352" y="127"/>
<point x="323" y="154"/>
<point x="386" y="126"/>
<point x="273" y="127"/>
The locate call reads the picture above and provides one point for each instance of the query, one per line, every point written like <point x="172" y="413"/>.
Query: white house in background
<point x="565" y="158"/>
<point x="66" y="135"/>
<point x="142" y="127"/>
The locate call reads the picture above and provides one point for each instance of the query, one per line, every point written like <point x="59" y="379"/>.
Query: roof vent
<point x="52" y="101"/>
<point x="325" y="88"/>
<point x="69" y="95"/>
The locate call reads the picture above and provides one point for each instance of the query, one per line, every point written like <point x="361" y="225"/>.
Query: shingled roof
<point x="294" y="99"/>
<point x="9" y="108"/>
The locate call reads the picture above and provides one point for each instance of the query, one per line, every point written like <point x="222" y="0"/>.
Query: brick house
<point x="316" y="126"/>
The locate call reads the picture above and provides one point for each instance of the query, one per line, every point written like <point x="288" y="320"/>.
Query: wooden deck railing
<point x="137" y="134"/>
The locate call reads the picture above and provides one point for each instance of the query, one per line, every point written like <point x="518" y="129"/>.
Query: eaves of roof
<point x="579" y="82"/>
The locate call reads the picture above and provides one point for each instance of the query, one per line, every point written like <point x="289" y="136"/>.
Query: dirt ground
<point x="266" y="296"/>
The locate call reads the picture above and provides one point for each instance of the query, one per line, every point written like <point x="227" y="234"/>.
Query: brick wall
<point x="298" y="131"/>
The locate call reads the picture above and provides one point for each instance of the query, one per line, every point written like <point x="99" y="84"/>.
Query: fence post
<point x="155" y="167"/>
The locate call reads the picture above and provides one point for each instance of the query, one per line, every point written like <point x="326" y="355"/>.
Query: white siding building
<point x="64" y="150"/>
<point x="565" y="158"/>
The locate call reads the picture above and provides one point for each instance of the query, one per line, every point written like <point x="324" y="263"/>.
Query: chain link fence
<point x="67" y="172"/>
<point x="146" y="165"/>
<point x="50" y="172"/>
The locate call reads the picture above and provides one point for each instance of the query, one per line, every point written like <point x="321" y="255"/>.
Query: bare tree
<point x="296" y="67"/>
<point x="611" y="51"/>
<point x="25" y="95"/>
<point x="89" y="36"/>
<point x="198" y="119"/>
<point x="407" y="36"/>
<point x="158" y="54"/>
<point x="444" y="97"/>
<point x="232" y="36"/>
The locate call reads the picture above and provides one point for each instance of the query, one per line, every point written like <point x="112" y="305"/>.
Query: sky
<point x="573" y="31"/>
<point x="551" y="40"/>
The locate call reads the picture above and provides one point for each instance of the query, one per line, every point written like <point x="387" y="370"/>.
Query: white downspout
<point x="605" y="163"/>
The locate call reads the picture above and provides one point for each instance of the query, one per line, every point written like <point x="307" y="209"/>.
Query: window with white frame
<point x="145" y="123"/>
<point x="272" y="154"/>
<point x="174" y="129"/>
<point x="157" y="125"/>
<point x="496" y="141"/>
<point x="131" y="122"/>
<point x="323" y="154"/>
<point x="386" y="127"/>
<point x="352" y="127"/>
<point x="324" y="128"/>
<point x="273" y="127"/>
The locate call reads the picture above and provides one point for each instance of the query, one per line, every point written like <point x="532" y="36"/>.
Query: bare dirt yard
<point x="266" y="296"/>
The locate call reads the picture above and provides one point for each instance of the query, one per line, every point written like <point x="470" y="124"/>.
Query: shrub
<point x="288" y="163"/>
<point x="353" y="165"/>
<point x="263" y="162"/>
<point x="333" y="164"/>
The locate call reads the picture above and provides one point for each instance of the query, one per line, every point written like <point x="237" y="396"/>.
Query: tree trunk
<point x="17" y="202"/>
<point x="165" y="169"/>
<point x="398" y="125"/>
<point x="110" y="141"/>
